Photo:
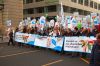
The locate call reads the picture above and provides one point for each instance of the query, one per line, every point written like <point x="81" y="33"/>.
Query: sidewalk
<point x="4" y="39"/>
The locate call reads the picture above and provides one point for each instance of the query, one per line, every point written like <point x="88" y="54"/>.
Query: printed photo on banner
<point x="41" y="41"/>
<point x="21" y="37"/>
<point x="84" y="43"/>
<point x="31" y="39"/>
<point x="55" y="43"/>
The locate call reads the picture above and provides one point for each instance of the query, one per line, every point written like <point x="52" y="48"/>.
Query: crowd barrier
<point x="73" y="44"/>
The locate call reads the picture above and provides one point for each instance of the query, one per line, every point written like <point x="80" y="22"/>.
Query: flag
<point x="62" y="15"/>
<point x="9" y="23"/>
<point x="42" y="20"/>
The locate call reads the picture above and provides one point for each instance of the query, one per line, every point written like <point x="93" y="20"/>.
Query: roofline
<point x="97" y="1"/>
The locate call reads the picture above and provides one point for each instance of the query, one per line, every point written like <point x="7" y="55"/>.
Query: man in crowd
<point x="95" y="55"/>
<point x="11" y="37"/>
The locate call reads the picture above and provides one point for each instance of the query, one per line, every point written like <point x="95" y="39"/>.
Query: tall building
<point x="36" y="8"/>
<point x="11" y="10"/>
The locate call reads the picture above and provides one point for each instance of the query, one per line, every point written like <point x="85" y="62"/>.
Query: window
<point x="86" y="2"/>
<point x="50" y="18"/>
<point x="52" y="8"/>
<point x="86" y="12"/>
<point x="66" y="9"/>
<point x="74" y="1"/>
<point x="38" y="0"/>
<point x="80" y="2"/>
<point x="29" y="11"/>
<point x="40" y="10"/>
<point x="80" y="12"/>
<point x="72" y="10"/>
<point x="28" y="1"/>
<point x="24" y="2"/>
<point x="95" y="5"/>
<point x="98" y="6"/>
<point x="25" y="11"/>
<point x="91" y="4"/>
<point x="1" y="1"/>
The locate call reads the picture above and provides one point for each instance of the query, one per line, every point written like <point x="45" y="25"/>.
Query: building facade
<point x="11" y="10"/>
<point x="1" y="12"/>
<point x="37" y="8"/>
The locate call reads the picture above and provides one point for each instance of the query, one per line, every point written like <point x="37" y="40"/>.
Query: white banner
<point x="25" y="38"/>
<point x="72" y="44"/>
<point x="79" y="44"/>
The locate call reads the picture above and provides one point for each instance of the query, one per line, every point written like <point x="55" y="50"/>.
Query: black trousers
<point x="11" y="41"/>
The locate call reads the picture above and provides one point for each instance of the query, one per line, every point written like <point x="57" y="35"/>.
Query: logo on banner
<point x="25" y="38"/>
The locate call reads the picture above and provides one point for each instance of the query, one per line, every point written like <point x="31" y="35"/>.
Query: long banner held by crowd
<point x="79" y="44"/>
<point x="73" y="44"/>
<point x="55" y="43"/>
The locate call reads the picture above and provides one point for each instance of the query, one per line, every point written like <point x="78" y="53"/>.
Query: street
<point x="34" y="56"/>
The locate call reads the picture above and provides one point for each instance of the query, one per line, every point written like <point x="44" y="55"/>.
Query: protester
<point x="32" y="31"/>
<point x="83" y="31"/>
<point x="16" y="30"/>
<point x="95" y="55"/>
<point x="25" y="29"/>
<point x="94" y="31"/>
<point x="68" y="32"/>
<point x="11" y="37"/>
<point x="56" y="29"/>
<point x="76" y="32"/>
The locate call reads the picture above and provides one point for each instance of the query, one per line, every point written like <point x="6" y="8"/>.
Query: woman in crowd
<point x="68" y="32"/>
<point x="55" y="32"/>
<point x="32" y="31"/>
<point x="25" y="29"/>
<point x="94" y="31"/>
<point x="76" y="32"/>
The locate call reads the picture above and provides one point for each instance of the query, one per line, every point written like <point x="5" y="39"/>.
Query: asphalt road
<point x="33" y="56"/>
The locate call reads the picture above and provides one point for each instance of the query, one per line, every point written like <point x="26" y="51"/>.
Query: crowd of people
<point x="60" y="31"/>
<point x="57" y="30"/>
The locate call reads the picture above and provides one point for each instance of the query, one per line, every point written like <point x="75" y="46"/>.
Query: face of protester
<point x="98" y="38"/>
<point x="75" y="30"/>
<point x="68" y="30"/>
<point x="94" y="28"/>
<point x="11" y="30"/>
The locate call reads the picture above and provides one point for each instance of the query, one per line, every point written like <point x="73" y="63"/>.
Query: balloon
<point x="79" y="25"/>
<point x="42" y="20"/>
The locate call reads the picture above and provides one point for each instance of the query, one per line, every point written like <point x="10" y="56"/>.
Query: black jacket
<point x="77" y="33"/>
<point x="11" y="34"/>
<point x="95" y="55"/>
